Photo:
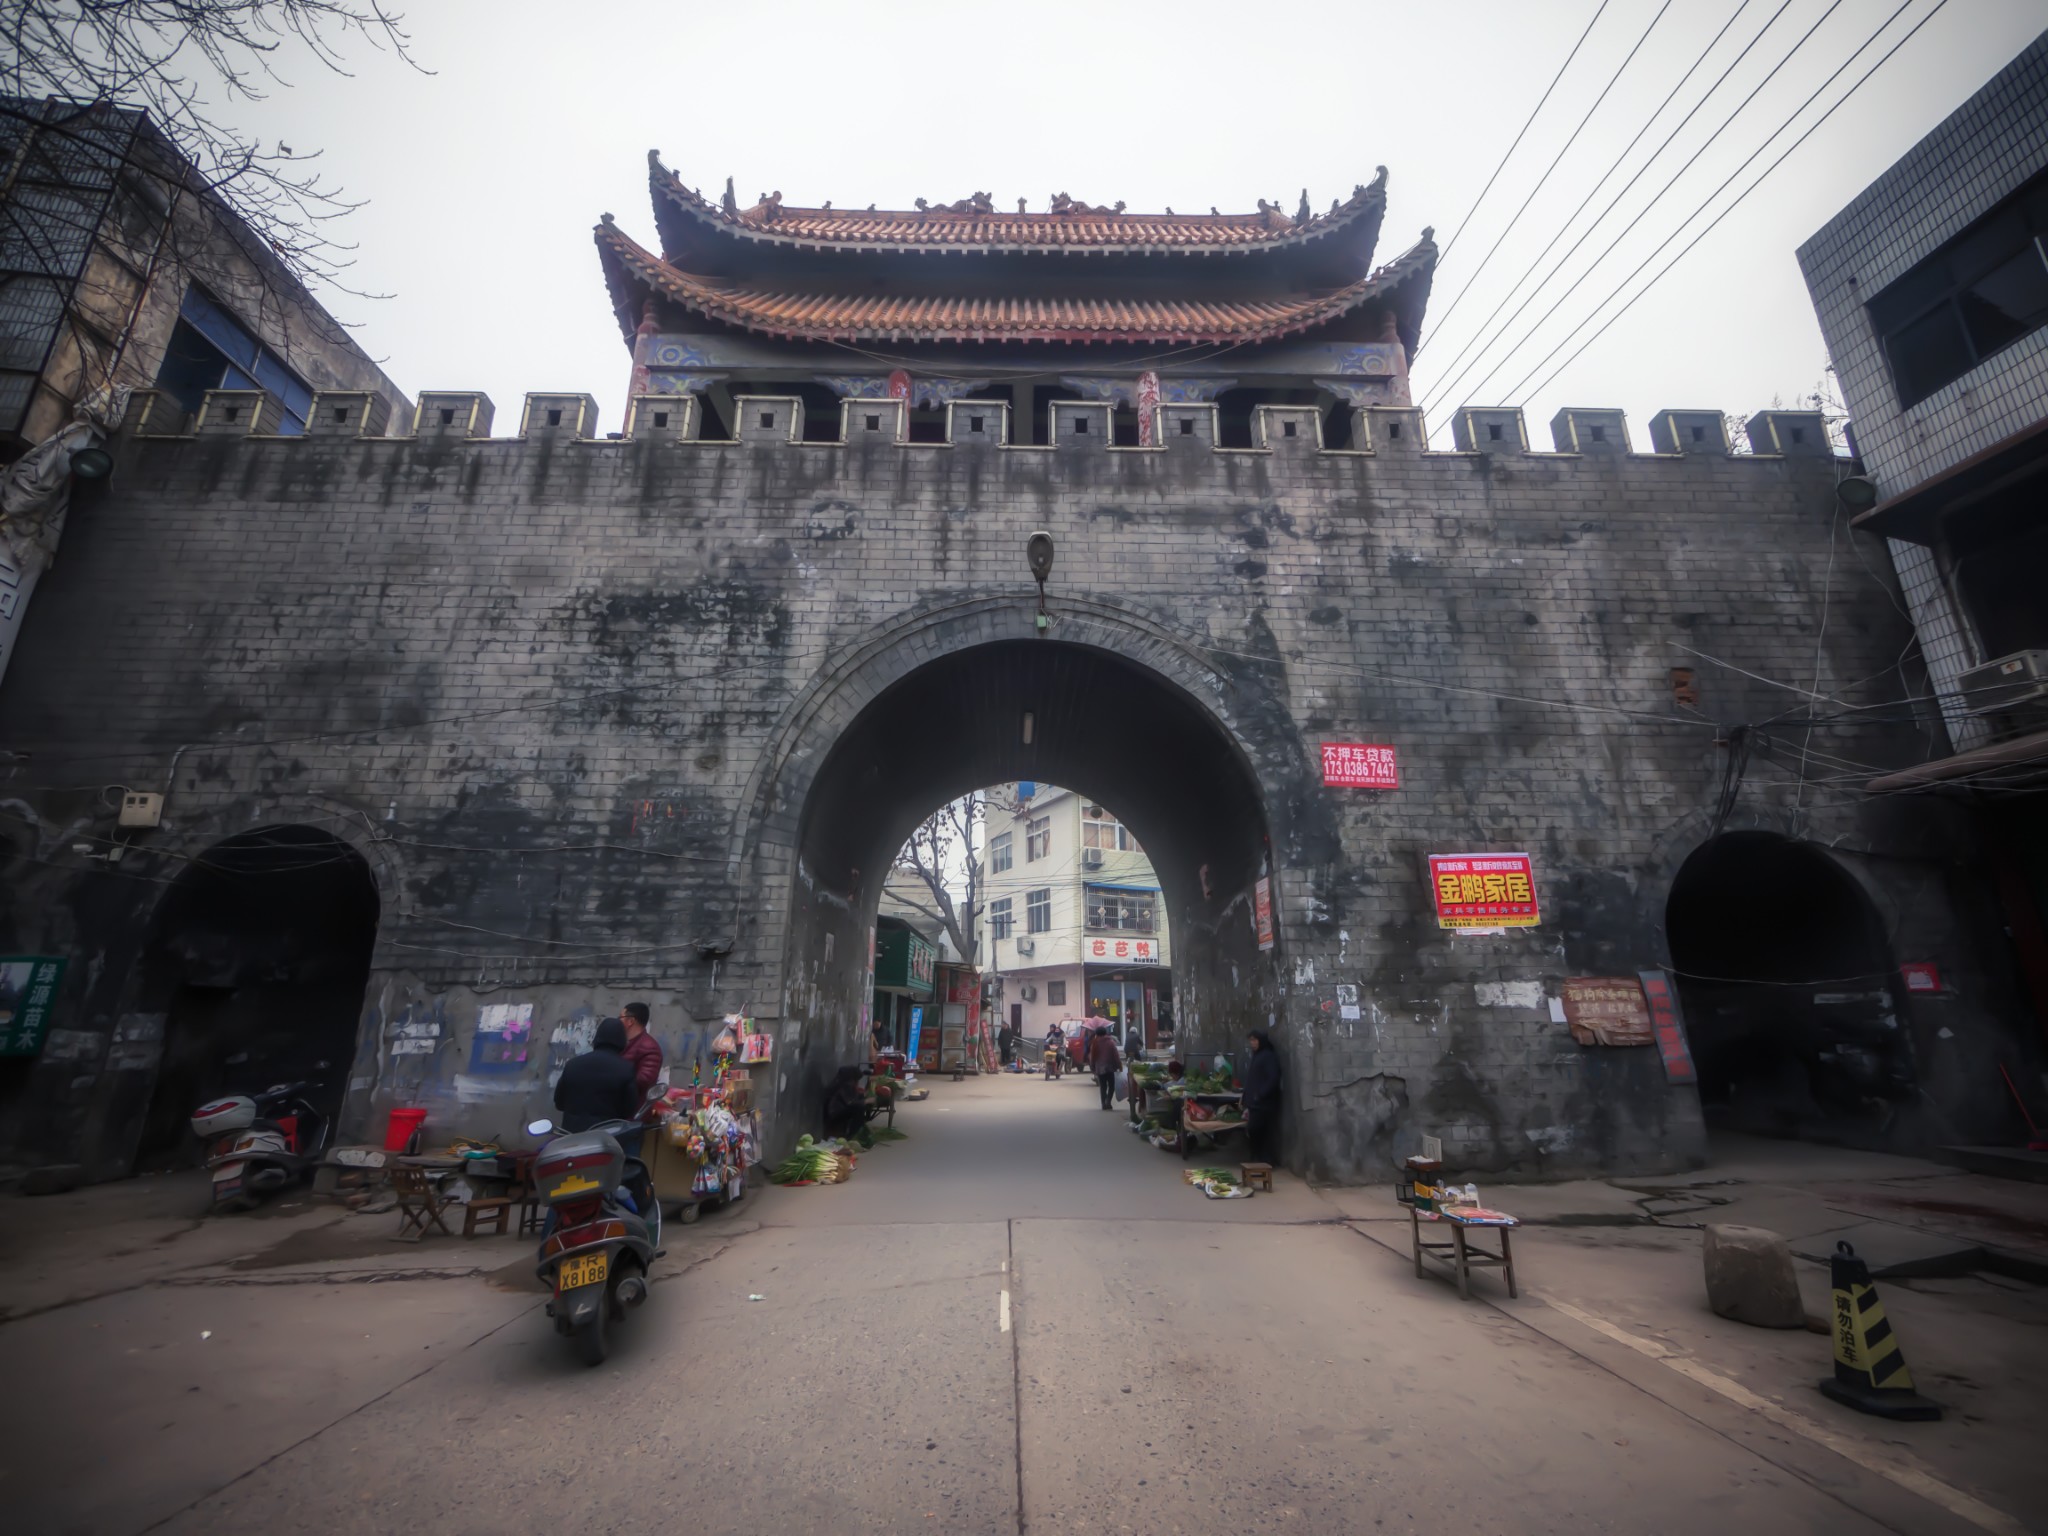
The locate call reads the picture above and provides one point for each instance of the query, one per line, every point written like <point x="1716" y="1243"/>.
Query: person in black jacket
<point x="1262" y="1097"/>
<point x="600" y="1084"/>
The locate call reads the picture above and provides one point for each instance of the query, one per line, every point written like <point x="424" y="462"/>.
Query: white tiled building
<point x="1071" y="920"/>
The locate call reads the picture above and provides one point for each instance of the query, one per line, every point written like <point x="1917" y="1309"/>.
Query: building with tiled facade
<point x="1072" y="924"/>
<point x="1932" y="290"/>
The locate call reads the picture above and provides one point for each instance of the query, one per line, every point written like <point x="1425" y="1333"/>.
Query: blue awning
<point x="1129" y="890"/>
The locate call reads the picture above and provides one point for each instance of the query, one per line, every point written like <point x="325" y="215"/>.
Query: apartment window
<point x="1120" y="911"/>
<point x="1000" y="922"/>
<point x="1108" y="833"/>
<point x="999" y="852"/>
<point x="1977" y="295"/>
<point x="1038" y="910"/>
<point x="1056" y="994"/>
<point x="1037" y="839"/>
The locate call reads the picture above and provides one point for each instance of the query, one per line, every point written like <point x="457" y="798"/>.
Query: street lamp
<point x="1038" y="551"/>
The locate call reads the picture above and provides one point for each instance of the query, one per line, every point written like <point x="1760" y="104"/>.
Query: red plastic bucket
<point x="403" y="1126"/>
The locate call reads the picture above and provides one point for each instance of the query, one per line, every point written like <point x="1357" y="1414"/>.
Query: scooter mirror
<point x="540" y="1127"/>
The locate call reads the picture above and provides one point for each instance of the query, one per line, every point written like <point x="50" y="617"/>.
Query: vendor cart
<point x="1217" y="1103"/>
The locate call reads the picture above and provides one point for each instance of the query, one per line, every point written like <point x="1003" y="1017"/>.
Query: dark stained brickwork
<point x="568" y="699"/>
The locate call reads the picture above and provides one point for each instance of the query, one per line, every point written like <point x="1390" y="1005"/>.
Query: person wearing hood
<point x="1262" y="1097"/>
<point x="600" y="1084"/>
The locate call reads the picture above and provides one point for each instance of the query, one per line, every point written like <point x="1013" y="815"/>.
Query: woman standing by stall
<point x="1262" y="1098"/>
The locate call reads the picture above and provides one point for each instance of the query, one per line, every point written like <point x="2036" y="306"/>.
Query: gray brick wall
<point x="441" y="649"/>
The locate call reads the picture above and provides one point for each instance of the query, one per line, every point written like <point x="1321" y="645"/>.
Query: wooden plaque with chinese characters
<point x="1607" y="1010"/>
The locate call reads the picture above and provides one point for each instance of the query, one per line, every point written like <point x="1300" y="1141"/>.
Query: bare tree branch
<point x="183" y="62"/>
<point x="941" y="839"/>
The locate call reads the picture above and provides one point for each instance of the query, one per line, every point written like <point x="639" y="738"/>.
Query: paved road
<point x="1162" y="1364"/>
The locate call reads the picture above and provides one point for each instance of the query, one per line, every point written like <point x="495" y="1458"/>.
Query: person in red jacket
<point x="643" y="1051"/>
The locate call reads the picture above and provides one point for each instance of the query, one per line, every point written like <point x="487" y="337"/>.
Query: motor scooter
<point x="604" y="1231"/>
<point x="257" y="1145"/>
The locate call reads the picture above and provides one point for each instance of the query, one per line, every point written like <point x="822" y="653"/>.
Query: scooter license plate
<point x="228" y="1172"/>
<point x="585" y="1269"/>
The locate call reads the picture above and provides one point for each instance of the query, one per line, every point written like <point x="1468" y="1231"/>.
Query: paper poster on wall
<point x="1359" y="765"/>
<point x="1262" y="911"/>
<point x="1483" y="890"/>
<point x="1607" y="1010"/>
<point x="504" y="1032"/>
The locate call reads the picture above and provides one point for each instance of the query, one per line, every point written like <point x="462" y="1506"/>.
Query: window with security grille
<point x="1000" y="922"/>
<point x="1037" y="838"/>
<point x="1056" y="993"/>
<point x="1038" y="909"/>
<point x="1120" y="912"/>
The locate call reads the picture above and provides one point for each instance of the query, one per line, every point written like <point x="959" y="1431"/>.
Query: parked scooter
<point x="605" y="1231"/>
<point x="261" y="1144"/>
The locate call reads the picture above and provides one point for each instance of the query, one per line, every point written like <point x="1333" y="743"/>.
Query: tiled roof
<point x="807" y="314"/>
<point x="978" y="225"/>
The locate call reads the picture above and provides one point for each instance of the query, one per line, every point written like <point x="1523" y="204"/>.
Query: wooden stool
<point x="419" y="1204"/>
<point x="492" y="1214"/>
<point x="1257" y="1176"/>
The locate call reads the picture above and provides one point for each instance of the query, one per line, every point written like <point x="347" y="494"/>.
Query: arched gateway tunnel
<point x="643" y="715"/>
<point x="1115" y="709"/>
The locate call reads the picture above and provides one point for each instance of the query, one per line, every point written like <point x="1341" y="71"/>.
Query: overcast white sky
<point x="485" y="177"/>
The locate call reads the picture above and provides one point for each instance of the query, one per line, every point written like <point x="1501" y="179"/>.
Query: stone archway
<point x="1118" y="709"/>
<point x="1786" y="979"/>
<point x="255" y="967"/>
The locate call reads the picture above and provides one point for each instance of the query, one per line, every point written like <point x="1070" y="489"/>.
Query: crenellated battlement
<point x="1076" y="427"/>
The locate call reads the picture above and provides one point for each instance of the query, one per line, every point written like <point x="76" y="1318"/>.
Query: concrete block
<point x="1750" y="1277"/>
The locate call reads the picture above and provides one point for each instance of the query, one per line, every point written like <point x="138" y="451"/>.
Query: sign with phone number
<point x="1483" y="890"/>
<point x="28" y="998"/>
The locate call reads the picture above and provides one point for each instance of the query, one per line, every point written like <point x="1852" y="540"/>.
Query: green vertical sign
<point x="28" y="996"/>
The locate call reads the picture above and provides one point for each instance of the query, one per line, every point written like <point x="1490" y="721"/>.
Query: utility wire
<point x="1644" y="211"/>
<point x="1740" y="197"/>
<point x="1648" y="123"/>
<point x="1542" y="180"/>
<point x="1444" y="255"/>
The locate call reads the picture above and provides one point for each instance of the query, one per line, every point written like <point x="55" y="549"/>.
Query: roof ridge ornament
<point x="728" y="202"/>
<point x="1061" y="203"/>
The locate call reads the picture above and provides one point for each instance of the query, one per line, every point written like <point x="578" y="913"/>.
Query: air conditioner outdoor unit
<point x="1028" y="992"/>
<point x="1027" y="947"/>
<point x="2019" y="678"/>
<point x="1091" y="858"/>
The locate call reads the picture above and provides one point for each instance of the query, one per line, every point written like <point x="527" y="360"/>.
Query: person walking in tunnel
<point x="1261" y="1097"/>
<point x="1105" y="1062"/>
<point x="600" y="1084"/>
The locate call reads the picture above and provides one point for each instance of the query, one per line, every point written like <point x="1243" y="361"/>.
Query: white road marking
<point x="1888" y="1462"/>
<point x="1003" y="1311"/>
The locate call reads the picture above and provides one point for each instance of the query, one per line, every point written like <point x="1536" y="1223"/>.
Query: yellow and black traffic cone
<point x="1870" y="1368"/>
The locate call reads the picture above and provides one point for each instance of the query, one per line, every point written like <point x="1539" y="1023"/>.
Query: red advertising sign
<point x="1354" y="765"/>
<point x="1921" y="976"/>
<point x="1483" y="890"/>
<point x="1108" y="951"/>
<point x="1262" y="911"/>
<point x="1670" y="1031"/>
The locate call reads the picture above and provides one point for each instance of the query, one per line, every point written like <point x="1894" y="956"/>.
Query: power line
<point x="1554" y="161"/>
<point x="1678" y="176"/>
<point x="1619" y="160"/>
<point x="1642" y="171"/>
<point x="1740" y="197"/>
<point x="1444" y="255"/>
